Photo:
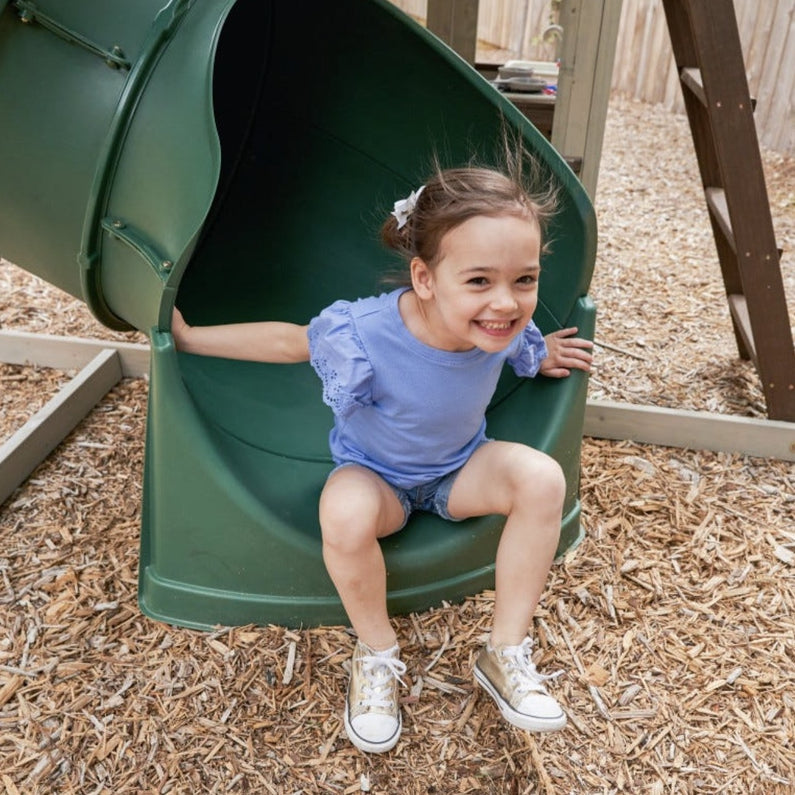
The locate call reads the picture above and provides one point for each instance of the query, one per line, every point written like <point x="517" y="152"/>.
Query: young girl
<point x="409" y="375"/>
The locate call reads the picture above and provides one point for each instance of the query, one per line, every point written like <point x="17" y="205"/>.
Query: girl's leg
<point x="527" y="487"/>
<point x="357" y="507"/>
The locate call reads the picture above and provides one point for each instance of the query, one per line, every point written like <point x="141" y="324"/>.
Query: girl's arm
<point x="566" y="352"/>
<point x="267" y="341"/>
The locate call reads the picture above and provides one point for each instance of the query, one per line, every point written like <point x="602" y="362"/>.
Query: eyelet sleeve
<point x="340" y="360"/>
<point x="532" y="350"/>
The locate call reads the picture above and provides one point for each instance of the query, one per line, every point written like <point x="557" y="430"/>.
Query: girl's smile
<point x="497" y="328"/>
<point x="483" y="290"/>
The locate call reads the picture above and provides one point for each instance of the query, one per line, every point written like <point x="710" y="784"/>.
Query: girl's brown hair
<point x="452" y="196"/>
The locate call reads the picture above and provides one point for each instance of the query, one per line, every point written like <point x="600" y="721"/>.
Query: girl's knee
<point x="356" y="508"/>
<point x="350" y="511"/>
<point x="347" y="525"/>
<point x="539" y="476"/>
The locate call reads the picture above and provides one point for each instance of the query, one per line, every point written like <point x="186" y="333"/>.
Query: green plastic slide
<point x="241" y="156"/>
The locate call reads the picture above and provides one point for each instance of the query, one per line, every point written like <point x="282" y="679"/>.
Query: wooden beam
<point x="69" y="353"/>
<point x="695" y="430"/>
<point x="43" y="432"/>
<point x="455" y="22"/>
<point x="590" y="30"/>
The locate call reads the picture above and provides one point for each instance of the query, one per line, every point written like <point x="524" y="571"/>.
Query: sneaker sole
<point x="519" y="719"/>
<point x="366" y="745"/>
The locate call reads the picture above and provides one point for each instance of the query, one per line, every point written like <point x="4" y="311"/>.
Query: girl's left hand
<point x="566" y="352"/>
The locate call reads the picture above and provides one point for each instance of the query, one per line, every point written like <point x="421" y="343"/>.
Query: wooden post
<point x="590" y="30"/>
<point x="455" y="22"/>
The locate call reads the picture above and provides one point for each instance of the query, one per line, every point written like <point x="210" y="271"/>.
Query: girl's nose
<point x="504" y="300"/>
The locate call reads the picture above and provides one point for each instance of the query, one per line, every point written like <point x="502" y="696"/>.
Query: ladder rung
<point x="739" y="311"/>
<point x="691" y="78"/>
<point x="716" y="201"/>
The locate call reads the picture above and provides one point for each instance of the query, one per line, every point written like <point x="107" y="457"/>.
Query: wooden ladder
<point x="709" y="59"/>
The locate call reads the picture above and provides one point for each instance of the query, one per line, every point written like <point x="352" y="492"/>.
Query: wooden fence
<point x="644" y="67"/>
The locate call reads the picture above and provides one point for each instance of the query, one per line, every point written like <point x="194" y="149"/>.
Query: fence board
<point x="774" y="78"/>
<point x="786" y="120"/>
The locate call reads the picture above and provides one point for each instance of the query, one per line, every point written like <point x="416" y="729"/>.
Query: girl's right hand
<point x="179" y="328"/>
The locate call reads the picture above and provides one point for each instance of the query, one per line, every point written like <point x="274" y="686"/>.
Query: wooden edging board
<point x="69" y="353"/>
<point x="696" y="430"/>
<point x="44" y="431"/>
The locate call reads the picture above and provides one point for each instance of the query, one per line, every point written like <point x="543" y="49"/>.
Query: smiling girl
<point x="408" y="375"/>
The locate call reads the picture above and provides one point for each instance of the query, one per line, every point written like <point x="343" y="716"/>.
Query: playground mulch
<point x="674" y="620"/>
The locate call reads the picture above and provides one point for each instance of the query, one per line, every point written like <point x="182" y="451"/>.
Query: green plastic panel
<point x="242" y="166"/>
<point x="95" y="144"/>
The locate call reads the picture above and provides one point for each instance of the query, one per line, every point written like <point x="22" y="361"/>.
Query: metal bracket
<point x="29" y="13"/>
<point x="139" y="243"/>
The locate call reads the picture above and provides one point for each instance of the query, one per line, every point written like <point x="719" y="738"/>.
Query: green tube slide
<point x="239" y="156"/>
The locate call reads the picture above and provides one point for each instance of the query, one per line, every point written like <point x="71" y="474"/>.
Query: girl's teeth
<point x="495" y="326"/>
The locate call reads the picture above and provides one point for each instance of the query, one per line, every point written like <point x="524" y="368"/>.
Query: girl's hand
<point x="179" y="328"/>
<point x="566" y="352"/>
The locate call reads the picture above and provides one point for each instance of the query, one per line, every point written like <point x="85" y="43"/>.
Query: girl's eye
<point x="528" y="279"/>
<point x="478" y="281"/>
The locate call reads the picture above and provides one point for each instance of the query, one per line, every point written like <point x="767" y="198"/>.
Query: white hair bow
<point x="405" y="207"/>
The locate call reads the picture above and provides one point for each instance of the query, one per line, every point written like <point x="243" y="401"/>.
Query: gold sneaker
<point x="372" y="713"/>
<point x="509" y="676"/>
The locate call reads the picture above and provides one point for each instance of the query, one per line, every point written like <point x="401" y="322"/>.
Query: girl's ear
<point x="421" y="278"/>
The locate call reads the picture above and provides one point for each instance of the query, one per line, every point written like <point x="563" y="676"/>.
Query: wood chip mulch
<point x="673" y="621"/>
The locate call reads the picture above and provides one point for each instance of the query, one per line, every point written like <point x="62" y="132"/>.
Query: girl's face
<point x="484" y="288"/>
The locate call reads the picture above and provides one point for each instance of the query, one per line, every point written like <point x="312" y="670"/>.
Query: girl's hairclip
<point x="405" y="207"/>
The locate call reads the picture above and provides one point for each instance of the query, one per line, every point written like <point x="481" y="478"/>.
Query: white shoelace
<point x="523" y="669"/>
<point x="378" y="674"/>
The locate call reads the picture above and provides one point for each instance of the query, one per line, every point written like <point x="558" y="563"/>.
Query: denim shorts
<point x="432" y="496"/>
